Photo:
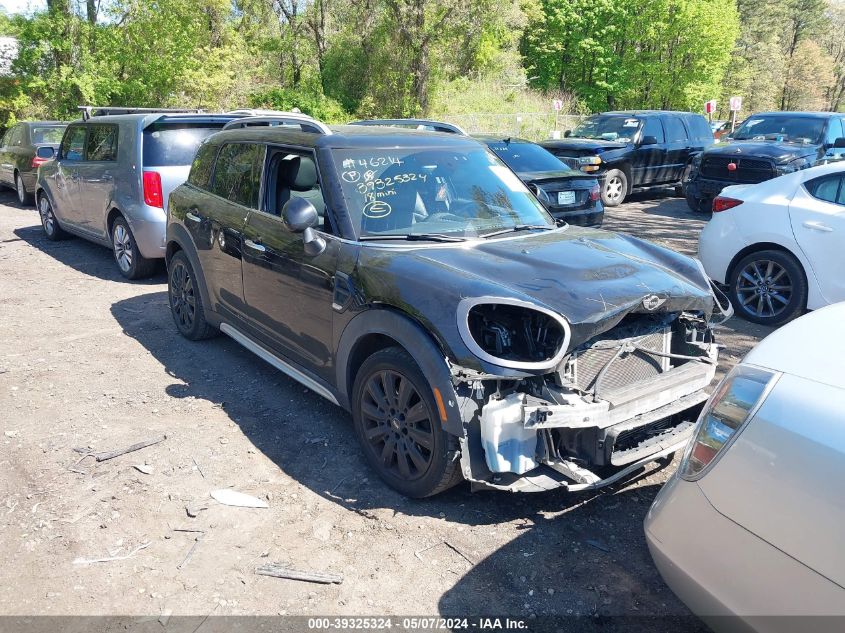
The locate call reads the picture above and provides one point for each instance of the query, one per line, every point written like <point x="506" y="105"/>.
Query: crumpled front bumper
<point x="626" y="428"/>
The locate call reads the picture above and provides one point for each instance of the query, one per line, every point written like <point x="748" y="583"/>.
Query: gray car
<point x="112" y="177"/>
<point x="20" y="156"/>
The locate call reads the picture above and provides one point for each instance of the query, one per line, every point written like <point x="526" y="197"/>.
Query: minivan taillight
<point x="595" y="193"/>
<point x="723" y="203"/>
<point x="37" y="162"/>
<point x="153" y="195"/>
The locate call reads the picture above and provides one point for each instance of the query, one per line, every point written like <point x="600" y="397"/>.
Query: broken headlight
<point x="513" y="333"/>
<point x="732" y="404"/>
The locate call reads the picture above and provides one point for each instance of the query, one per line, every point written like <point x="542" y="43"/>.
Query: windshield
<point x="168" y="144"/>
<point x="521" y="157"/>
<point x="47" y="134"/>
<point x="460" y="192"/>
<point x="608" y="128"/>
<point x="790" y="129"/>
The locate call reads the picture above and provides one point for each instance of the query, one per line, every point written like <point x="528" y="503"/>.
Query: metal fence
<point x="534" y="126"/>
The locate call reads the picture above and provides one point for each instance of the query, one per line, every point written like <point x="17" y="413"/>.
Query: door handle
<point x="192" y="217"/>
<point x="254" y="246"/>
<point x="818" y="226"/>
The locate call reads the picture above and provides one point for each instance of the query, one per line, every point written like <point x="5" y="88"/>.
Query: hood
<point x="778" y="152"/>
<point x="581" y="146"/>
<point x="591" y="277"/>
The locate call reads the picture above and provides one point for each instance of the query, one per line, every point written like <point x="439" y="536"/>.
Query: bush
<point x="311" y="103"/>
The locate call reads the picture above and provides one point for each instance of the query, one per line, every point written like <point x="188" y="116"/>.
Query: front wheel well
<point x="173" y="247"/>
<point x="625" y="168"/>
<point x="365" y="347"/>
<point x="756" y="248"/>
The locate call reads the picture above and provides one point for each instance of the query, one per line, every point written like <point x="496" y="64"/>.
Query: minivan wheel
<point x="130" y="262"/>
<point x="49" y="223"/>
<point x="768" y="287"/>
<point x="24" y="197"/>
<point x="186" y="301"/>
<point x="615" y="188"/>
<point x="396" y="421"/>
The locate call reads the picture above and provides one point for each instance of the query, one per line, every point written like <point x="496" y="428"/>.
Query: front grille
<point x="584" y="366"/>
<point x="748" y="170"/>
<point x="569" y="161"/>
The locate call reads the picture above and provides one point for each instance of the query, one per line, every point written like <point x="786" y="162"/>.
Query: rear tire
<point x="614" y="188"/>
<point x="185" y="300"/>
<point x="395" y="417"/>
<point x="24" y="198"/>
<point x="49" y="223"/>
<point x="130" y="262"/>
<point x="681" y="188"/>
<point x="696" y="204"/>
<point x="768" y="287"/>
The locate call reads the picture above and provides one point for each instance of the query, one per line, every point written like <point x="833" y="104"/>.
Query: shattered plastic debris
<point x="234" y="498"/>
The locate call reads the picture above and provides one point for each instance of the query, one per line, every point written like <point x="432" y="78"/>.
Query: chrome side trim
<point x="277" y="362"/>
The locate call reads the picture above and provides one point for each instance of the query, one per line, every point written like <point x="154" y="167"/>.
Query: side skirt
<point x="278" y="363"/>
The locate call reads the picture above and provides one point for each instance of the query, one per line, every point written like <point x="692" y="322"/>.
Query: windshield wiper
<point x="414" y="237"/>
<point x="520" y="227"/>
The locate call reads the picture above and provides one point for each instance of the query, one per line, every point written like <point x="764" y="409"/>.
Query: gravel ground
<point x="88" y="360"/>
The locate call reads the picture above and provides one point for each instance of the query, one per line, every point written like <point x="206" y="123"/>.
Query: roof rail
<point x="420" y="124"/>
<point x="263" y="112"/>
<point x="305" y="122"/>
<point x="90" y="111"/>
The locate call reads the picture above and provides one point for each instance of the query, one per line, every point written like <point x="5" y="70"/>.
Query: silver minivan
<point x="112" y="176"/>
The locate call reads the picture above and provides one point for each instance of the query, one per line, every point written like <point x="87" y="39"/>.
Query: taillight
<point x="595" y="193"/>
<point x="153" y="195"/>
<point x="733" y="402"/>
<point x="722" y="203"/>
<point x="37" y="162"/>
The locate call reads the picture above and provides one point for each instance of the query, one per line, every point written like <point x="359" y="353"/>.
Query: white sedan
<point x="752" y="526"/>
<point x="779" y="245"/>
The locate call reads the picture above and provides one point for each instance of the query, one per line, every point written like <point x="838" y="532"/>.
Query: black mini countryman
<point x="412" y="279"/>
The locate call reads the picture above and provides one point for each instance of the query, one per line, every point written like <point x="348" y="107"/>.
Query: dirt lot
<point x="88" y="360"/>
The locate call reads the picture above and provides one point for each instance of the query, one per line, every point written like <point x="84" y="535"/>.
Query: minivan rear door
<point x="170" y="144"/>
<point x="97" y="177"/>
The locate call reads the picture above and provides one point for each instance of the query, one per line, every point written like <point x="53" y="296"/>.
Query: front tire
<point x="185" y="300"/>
<point x="395" y="417"/>
<point x="130" y="262"/>
<point x="768" y="287"/>
<point x="49" y="222"/>
<point x="24" y="198"/>
<point x="614" y="188"/>
<point x="697" y="205"/>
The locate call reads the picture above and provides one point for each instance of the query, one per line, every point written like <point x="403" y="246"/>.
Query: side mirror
<point x="839" y="143"/>
<point x="567" y="134"/>
<point x="649" y="140"/>
<point x="46" y="152"/>
<point x="300" y="216"/>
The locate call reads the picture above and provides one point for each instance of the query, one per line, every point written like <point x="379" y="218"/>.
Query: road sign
<point x="736" y="104"/>
<point x="710" y="106"/>
<point x="557" y="104"/>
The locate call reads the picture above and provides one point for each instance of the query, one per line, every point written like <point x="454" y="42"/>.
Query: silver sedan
<point x="752" y="526"/>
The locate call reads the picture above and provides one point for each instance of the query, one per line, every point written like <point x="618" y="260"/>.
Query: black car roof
<point x="344" y="136"/>
<point x="644" y="112"/>
<point x="806" y="115"/>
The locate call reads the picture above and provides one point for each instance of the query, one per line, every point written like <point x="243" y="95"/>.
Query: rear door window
<point x="51" y="134"/>
<point x="102" y="143"/>
<point x="675" y="130"/>
<point x="699" y="128"/>
<point x="826" y="188"/>
<point x="203" y="165"/>
<point x="237" y="173"/>
<point x="654" y="128"/>
<point x="73" y="144"/>
<point x="172" y="143"/>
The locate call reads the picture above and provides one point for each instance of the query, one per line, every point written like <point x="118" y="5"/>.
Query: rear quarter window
<point x="200" y="175"/>
<point x="171" y="143"/>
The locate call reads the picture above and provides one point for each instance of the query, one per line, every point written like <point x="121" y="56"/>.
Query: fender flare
<point x="416" y="341"/>
<point x="177" y="234"/>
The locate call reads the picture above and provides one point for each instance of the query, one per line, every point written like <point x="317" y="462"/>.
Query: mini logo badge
<point x="652" y="302"/>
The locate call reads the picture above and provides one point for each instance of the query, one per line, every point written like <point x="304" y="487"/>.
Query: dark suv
<point x="765" y="146"/>
<point x="631" y="149"/>
<point x="412" y="279"/>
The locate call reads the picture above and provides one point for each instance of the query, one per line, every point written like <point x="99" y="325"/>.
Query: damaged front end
<point x="578" y="415"/>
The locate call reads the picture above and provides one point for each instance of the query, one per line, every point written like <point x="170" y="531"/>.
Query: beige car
<point x="752" y="526"/>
